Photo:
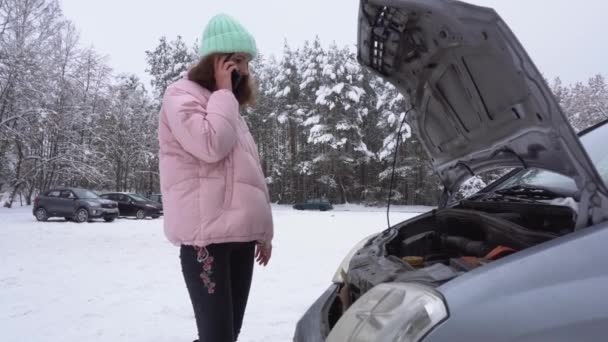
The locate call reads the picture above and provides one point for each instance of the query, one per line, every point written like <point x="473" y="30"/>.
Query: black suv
<point x="135" y="205"/>
<point x="75" y="204"/>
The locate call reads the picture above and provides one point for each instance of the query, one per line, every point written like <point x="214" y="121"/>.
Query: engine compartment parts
<point x="499" y="252"/>
<point x="440" y="245"/>
<point x="414" y="261"/>
<point x="466" y="264"/>
<point x="464" y="245"/>
<point x="437" y="273"/>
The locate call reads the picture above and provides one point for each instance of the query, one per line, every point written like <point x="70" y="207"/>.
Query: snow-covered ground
<point x="121" y="281"/>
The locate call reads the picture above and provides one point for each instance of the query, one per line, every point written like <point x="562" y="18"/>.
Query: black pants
<point x="218" y="278"/>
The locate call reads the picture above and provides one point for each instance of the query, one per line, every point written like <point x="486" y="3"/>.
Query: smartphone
<point x="236" y="76"/>
<point x="236" y="80"/>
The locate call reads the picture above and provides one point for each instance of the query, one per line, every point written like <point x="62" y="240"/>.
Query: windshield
<point x="85" y="194"/>
<point x="593" y="142"/>
<point x="138" y="198"/>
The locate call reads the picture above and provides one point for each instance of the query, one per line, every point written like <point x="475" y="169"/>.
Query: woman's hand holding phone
<point x="223" y="69"/>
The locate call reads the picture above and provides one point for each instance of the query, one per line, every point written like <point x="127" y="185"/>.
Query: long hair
<point x="203" y="74"/>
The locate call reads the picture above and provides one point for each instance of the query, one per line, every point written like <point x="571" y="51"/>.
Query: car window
<point x="593" y="142"/>
<point x="138" y="198"/>
<point x="122" y="198"/>
<point x="85" y="194"/>
<point x="54" y="193"/>
<point x="67" y="194"/>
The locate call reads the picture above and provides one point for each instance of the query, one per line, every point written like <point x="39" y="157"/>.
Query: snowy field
<point x="121" y="281"/>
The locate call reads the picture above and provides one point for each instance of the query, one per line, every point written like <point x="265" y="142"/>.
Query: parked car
<point x="522" y="260"/>
<point x="135" y="205"/>
<point x="314" y="204"/>
<point x="157" y="198"/>
<point x="79" y="205"/>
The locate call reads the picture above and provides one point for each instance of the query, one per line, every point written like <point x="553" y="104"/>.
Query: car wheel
<point x="140" y="215"/>
<point x="42" y="215"/>
<point x="109" y="219"/>
<point x="155" y="217"/>
<point x="82" y="215"/>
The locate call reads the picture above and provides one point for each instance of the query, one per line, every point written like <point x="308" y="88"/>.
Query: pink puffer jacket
<point x="212" y="184"/>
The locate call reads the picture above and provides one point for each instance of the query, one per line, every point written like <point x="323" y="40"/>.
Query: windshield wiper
<point x="534" y="192"/>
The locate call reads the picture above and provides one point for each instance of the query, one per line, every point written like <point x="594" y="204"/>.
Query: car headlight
<point x="400" y="312"/>
<point x="150" y="206"/>
<point x="94" y="204"/>
<point x="343" y="268"/>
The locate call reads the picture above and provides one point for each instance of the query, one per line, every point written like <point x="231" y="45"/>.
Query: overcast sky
<point x="565" y="38"/>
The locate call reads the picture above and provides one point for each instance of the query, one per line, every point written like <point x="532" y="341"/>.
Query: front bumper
<point x="103" y="213"/>
<point x="314" y="325"/>
<point x="154" y="211"/>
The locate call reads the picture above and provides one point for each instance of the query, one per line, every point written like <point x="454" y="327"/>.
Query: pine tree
<point x="167" y="62"/>
<point x="285" y="92"/>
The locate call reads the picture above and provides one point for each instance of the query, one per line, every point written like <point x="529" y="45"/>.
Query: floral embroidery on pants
<point x="203" y="257"/>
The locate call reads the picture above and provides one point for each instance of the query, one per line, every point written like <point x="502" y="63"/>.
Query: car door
<point x="122" y="210"/>
<point x="124" y="205"/>
<point x="50" y="202"/>
<point x="66" y="203"/>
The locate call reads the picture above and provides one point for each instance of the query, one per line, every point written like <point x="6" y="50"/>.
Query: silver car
<point x="522" y="260"/>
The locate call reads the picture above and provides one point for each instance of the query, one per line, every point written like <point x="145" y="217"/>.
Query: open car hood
<point x="478" y="101"/>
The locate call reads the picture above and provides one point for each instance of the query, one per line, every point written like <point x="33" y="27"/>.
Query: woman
<point x="216" y="202"/>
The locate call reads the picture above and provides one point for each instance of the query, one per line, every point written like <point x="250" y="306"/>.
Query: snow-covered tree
<point x="284" y="93"/>
<point x="167" y="62"/>
<point x="584" y="104"/>
<point x="127" y="134"/>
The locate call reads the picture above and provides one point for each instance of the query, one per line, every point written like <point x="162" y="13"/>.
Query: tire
<point x="140" y="214"/>
<point x="42" y="215"/>
<point x="81" y="215"/>
<point x="109" y="219"/>
<point x="155" y="217"/>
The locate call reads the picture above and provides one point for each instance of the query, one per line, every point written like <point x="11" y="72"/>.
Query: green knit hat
<point x="223" y="34"/>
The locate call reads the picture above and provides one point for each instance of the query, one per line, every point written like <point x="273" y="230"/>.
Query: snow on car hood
<point x="478" y="101"/>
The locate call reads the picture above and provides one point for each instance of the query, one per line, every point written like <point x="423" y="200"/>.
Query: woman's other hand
<point x="263" y="252"/>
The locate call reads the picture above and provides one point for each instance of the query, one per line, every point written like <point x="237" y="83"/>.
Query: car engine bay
<point x="443" y="244"/>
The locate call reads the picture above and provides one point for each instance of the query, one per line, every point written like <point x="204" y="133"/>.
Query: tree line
<point x="325" y="127"/>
